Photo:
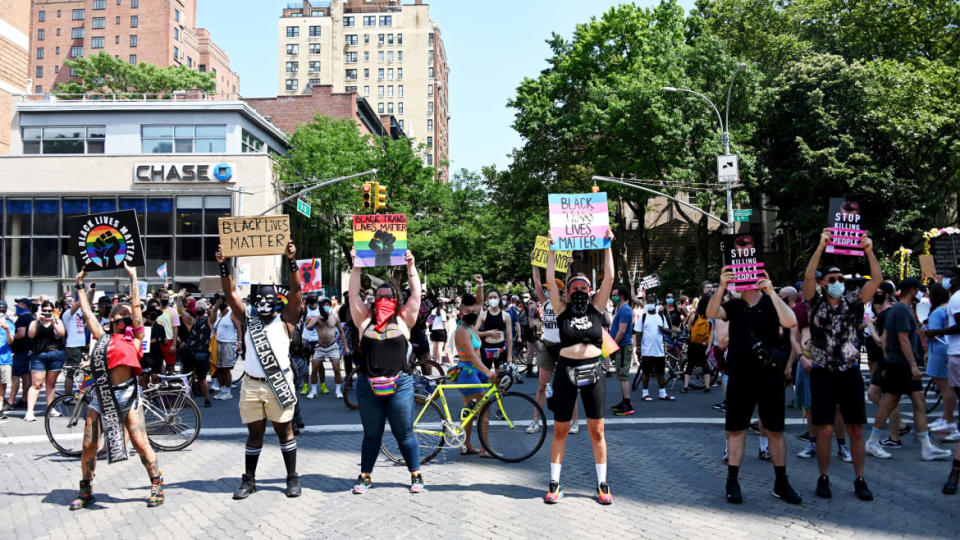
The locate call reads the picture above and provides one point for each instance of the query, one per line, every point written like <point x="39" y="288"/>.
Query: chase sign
<point x="158" y="173"/>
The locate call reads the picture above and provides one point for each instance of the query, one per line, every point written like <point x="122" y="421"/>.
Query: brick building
<point x="14" y="60"/>
<point x="158" y="32"/>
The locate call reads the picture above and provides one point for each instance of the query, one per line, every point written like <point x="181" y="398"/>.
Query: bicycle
<point x="172" y="419"/>
<point x="502" y="421"/>
<point x="675" y="359"/>
<point x="426" y="376"/>
<point x="932" y="396"/>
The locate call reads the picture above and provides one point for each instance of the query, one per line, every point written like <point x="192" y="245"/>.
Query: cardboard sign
<point x="209" y="285"/>
<point x="561" y="258"/>
<point x="254" y="235"/>
<point x="845" y="221"/>
<point x="380" y="239"/>
<point x="142" y="290"/>
<point x="105" y="241"/>
<point x="650" y="282"/>
<point x="579" y="221"/>
<point x="927" y="267"/>
<point x="946" y="253"/>
<point x="162" y="271"/>
<point x="744" y="255"/>
<point x="310" y="279"/>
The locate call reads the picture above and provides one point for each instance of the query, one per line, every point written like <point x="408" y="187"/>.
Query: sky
<point x="491" y="46"/>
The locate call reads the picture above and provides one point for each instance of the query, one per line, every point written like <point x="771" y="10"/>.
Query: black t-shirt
<point x="22" y="345"/>
<point x="748" y="324"/>
<point x="874" y="351"/>
<point x="900" y="319"/>
<point x="674" y="317"/>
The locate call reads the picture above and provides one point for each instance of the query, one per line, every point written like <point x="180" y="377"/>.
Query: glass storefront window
<point x="98" y="206"/>
<point x="44" y="261"/>
<point x="140" y="207"/>
<point x="189" y="214"/>
<point x="73" y="207"/>
<point x="210" y="267"/>
<point x="16" y="257"/>
<point x="189" y="256"/>
<point x="18" y="217"/>
<point x="159" y="216"/>
<point x="46" y="217"/>
<point x="215" y="206"/>
<point x="159" y="251"/>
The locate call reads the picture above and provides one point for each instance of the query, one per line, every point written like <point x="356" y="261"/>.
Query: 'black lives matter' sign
<point x="105" y="241"/>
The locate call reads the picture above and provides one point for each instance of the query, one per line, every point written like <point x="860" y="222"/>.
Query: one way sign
<point x="728" y="169"/>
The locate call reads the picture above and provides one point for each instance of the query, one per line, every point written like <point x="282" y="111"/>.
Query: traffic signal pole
<point x="323" y="183"/>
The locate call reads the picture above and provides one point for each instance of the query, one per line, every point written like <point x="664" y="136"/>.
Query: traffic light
<point x="381" y="201"/>
<point x="367" y="196"/>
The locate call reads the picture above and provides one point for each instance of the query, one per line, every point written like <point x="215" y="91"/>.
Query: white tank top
<point x="279" y="342"/>
<point x="310" y="334"/>
<point x="225" y="329"/>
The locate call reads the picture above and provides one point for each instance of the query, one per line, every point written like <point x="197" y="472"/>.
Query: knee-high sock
<point x="253" y="455"/>
<point x="289" y="451"/>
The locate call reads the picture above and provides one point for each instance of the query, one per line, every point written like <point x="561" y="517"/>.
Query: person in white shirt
<point x="952" y="284"/>
<point x="224" y="324"/>
<point x="76" y="340"/>
<point x="438" y="331"/>
<point x="653" y="326"/>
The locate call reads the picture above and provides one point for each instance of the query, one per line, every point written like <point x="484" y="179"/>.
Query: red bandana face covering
<point x="385" y="309"/>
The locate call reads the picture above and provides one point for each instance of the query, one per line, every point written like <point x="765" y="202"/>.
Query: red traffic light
<point x="366" y="188"/>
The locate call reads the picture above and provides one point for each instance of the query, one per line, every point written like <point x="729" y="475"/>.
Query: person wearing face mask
<point x="653" y="327"/>
<point x="325" y="325"/>
<point x="308" y="335"/>
<point x="496" y="333"/>
<point x="47" y="357"/>
<point x="621" y="328"/>
<point x="196" y="347"/>
<point x="267" y="391"/>
<point x="225" y="325"/>
<point x="384" y="385"/>
<point x="115" y="405"/>
<point x="170" y="320"/>
<point x="578" y="371"/>
<point x="835" y="381"/>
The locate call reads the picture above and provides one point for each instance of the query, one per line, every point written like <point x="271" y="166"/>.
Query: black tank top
<point x="386" y="356"/>
<point x="494" y="322"/>
<point x="587" y="328"/>
<point x="46" y="339"/>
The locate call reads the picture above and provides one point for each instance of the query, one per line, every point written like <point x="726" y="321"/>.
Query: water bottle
<point x="464" y="412"/>
<point x="549" y="390"/>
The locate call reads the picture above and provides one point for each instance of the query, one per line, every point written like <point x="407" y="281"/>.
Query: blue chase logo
<point x="222" y="172"/>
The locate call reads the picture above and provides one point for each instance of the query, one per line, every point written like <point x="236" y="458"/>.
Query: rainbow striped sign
<point x="380" y="239"/>
<point x="579" y="221"/>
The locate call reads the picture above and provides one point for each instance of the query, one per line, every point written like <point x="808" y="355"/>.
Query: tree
<point x="104" y="74"/>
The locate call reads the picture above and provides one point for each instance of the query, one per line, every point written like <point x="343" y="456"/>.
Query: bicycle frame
<point x="492" y="390"/>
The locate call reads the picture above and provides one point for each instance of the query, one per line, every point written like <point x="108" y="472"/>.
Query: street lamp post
<point x="724" y="131"/>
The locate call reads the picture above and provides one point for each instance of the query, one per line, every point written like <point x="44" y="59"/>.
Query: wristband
<point x="138" y="330"/>
<point x="224" y="270"/>
<point x="292" y="265"/>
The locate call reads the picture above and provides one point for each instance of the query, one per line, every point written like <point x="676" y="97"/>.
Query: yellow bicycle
<point x="511" y="426"/>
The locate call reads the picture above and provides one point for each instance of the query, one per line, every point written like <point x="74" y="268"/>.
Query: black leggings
<point x="564" y="398"/>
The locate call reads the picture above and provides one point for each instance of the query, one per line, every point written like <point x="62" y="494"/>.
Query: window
<point x="400" y="91"/>
<point x="430" y="141"/>
<point x="369" y="20"/>
<point x="116" y="20"/>
<point x="399" y="74"/>
<point x="291" y="85"/>
<point x="313" y="48"/>
<point x="430" y="107"/>
<point x="390" y="74"/>
<point x="176" y="15"/>
<point x="58" y="32"/>
<point x="351" y="39"/>
<point x="380" y="74"/>
<point x="351" y="57"/>
<point x="58" y="13"/>
<point x="380" y="39"/>
<point x="430" y="73"/>
<point x="176" y="54"/>
<point x="99" y="23"/>
<point x="39" y="73"/>
<point x="134" y="3"/>
<point x="41" y="16"/>
<point x="401" y="124"/>
<point x="99" y="4"/>
<point x="390" y="91"/>
<point x="399" y="56"/>
<point x="390" y="108"/>
<point x="78" y="14"/>
<point x="314" y="31"/>
<point x="296" y="14"/>
<point x="73" y="72"/>
<point x="314" y="66"/>
<point x="380" y="56"/>
<point x="293" y="31"/>
<point x="351" y="74"/>
<point x="430" y="56"/>
<point x="366" y="73"/>
<point x="202" y="68"/>
<point x="366" y="56"/>
<point x="380" y="91"/>
<point x="40" y="34"/>
<point x="56" y="69"/>
<point x="430" y="38"/>
<point x="399" y="107"/>
<point x="380" y="108"/>
<point x="386" y="20"/>
<point x="316" y="13"/>
<point x="133" y="40"/>
<point x="430" y="160"/>
<point x="293" y="67"/>
<point x="314" y="82"/>
<point x="390" y="57"/>
<point x="96" y="42"/>
<point x="366" y="38"/>
<point x="366" y="91"/>
<point x="349" y="21"/>
<point x="176" y="33"/>
<point x="399" y="39"/>
<point x="134" y="21"/>
<point x="429" y="90"/>
<point x="293" y="48"/>
<point x="63" y="140"/>
<point x="133" y="59"/>
<point x="389" y="39"/>
<point x="183" y="138"/>
<point x="350" y="89"/>
<point x="116" y="39"/>
<point x="189" y="62"/>
<point x="430" y="124"/>
<point x="39" y="53"/>
<point x="75" y="52"/>
<point x="76" y="33"/>
<point x="249" y="144"/>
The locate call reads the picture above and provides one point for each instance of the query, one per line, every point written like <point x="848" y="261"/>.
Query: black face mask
<point x="879" y="298"/>
<point x="164" y="302"/>
<point x="471" y="318"/>
<point x="579" y="301"/>
<point x="201" y="313"/>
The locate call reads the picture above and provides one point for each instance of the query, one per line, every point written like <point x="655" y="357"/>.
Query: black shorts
<point x="418" y="341"/>
<point x="897" y="380"/>
<point x="755" y="389"/>
<point x="439" y="336"/>
<point x="653" y="365"/>
<point x="564" y="398"/>
<point x="195" y="362"/>
<point x="876" y="378"/>
<point x="832" y="389"/>
<point x="696" y="357"/>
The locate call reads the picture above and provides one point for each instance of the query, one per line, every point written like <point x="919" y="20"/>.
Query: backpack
<point x="700" y="331"/>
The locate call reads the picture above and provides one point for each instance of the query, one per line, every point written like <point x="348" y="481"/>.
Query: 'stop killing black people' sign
<point x="845" y="221"/>
<point x="743" y="253"/>
<point x="105" y="241"/>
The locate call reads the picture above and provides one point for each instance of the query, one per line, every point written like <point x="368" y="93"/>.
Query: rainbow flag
<point x="380" y="239"/>
<point x="87" y="381"/>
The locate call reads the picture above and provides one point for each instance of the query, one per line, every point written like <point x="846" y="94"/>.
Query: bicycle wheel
<point x="502" y="427"/>
<point x="428" y="430"/>
<point x="427" y="374"/>
<point x="172" y="419"/>
<point x="637" y="378"/>
<point x="66" y="431"/>
<point x="350" y="391"/>
<point x="932" y="396"/>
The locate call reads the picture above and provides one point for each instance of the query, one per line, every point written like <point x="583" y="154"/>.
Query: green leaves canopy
<point x="104" y="74"/>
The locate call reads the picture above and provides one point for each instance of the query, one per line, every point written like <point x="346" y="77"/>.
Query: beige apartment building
<point x="14" y="60"/>
<point x="390" y="53"/>
<point x="158" y="32"/>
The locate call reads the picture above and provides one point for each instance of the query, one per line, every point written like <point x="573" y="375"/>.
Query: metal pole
<point x="655" y="192"/>
<point x="318" y="186"/>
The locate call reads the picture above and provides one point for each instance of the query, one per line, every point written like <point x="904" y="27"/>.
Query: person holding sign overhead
<point x="580" y="322"/>
<point x="267" y="392"/>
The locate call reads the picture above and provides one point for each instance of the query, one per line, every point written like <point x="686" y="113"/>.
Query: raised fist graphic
<point x="382" y="246"/>
<point x="106" y="247"/>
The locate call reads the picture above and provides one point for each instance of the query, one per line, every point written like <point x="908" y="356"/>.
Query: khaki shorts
<point x="622" y="359"/>
<point x="6" y="373"/>
<point x="547" y="353"/>
<point x="257" y="402"/>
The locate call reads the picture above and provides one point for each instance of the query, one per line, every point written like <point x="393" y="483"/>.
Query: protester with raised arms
<point x="496" y="332"/>
<point x="578" y="371"/>
<point x="267" y="392"/>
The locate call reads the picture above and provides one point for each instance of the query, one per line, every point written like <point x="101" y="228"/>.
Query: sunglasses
<point x="833" y="279"/>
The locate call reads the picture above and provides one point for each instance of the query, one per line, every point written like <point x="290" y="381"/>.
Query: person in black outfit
<point x="755" y="365"/>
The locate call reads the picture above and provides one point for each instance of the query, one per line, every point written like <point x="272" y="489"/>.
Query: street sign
<point x="742" y="215"/>
<point x="728" y="169"/>
<point x="303" y="207"/>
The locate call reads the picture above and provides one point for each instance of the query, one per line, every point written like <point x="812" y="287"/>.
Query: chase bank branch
<point x="180" y="164"/>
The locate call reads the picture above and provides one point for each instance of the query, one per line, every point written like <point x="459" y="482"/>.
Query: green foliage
<point x="104" y="74"/>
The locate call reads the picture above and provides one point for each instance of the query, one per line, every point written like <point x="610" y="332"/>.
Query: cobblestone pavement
<point x="664" y="470"/>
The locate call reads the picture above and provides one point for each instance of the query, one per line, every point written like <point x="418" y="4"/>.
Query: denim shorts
<point x="48" y="361"/>
<point x="128" y="396"/>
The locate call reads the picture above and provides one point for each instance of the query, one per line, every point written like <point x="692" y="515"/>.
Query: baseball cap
<point x="910" y="283"/>
<point x="3" y="306"/>
<point x="23" y="301"/>
<point x="514" y="297"/>
<point x="887" y="287"/>
<point x="833" y="270"/>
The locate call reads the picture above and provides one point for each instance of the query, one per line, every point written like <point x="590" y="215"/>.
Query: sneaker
<point x="323" y="388"/>
<point x="667" y="397"/>
<point x="223" y="395"/>
<point x="248" y="485"/>
<point x="805" y="436"/>
<point x="764" y="455"/>
<point x="876" y="450"/>
<point x="554" y="493"/>
<point x="623" y="409"/>
<point x="844" y="452"/>
<point x="808" y="452"/>
<point x="156" y="492"/>
<point x="519" y="380"/>
<point x="939" y="425"/>
<point x="603" y="494"/>
<point x="311" y="395"/>
<point x="890" y="443"/>
<point x="305" y="389"/>
<point x="648" y="397"/>
<point x="85" y="497"/>
<point x="29" y="418"/>
<point x="953" y="436"/>
<point x="7" y="406"/>
<point x="339" y="393"/>
<point x="755" y="427"/>
<point x="293" y="485"/>
<point x="718" y="405"/>
<point x="706" y="390"/>
<point x="734" y="496"/>
<point x="215" y="386"/>
<point x="53" y="413"/>
<point x="823" y="487"/>
<point x="362" y="484"/>
<point x="3" y="417"/>
<point x="932" y="453"/>
<point x="862" y="491"/>
<point x="950" y="487"/>
<point x="534" y="427"/>
<point x="574" y="428"/>
<point x="783" y="490"/>
<point x="416" y="483"/>
<point x="723" y="408"/>
<point x="905" y="429"/>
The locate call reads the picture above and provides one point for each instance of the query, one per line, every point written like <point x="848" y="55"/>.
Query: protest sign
<point x="844" y="220"/>
<point x="254" y="235"/>
<point x="946" y="253"/>
<point x="142" y="290"/>
<point x="743" y="253"/>
<point x="105" y="241"/>
<point x="310" y="278"/>
<point x="380" y="239"/>
<point x="145" y="344"/>
<point x="928" y="267"/>
<point x="650" y="282"/>
<point x="540" y="249"/>
<point x="209" y="285"/>
<point x="579" y="221"/>
<point x="243" y="274"/>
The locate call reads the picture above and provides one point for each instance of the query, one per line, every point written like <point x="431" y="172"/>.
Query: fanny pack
<point x="584" y="375"/>
<point x="384" y="386"/>
<point x="453" y="373"/>
<point x="492" y="354"/>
